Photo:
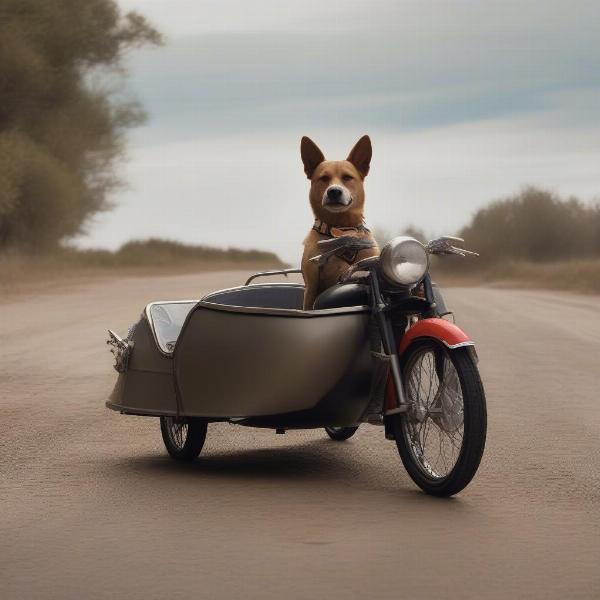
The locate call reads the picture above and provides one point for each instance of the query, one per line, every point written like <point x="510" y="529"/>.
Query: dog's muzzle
<point x="336" y="197"/>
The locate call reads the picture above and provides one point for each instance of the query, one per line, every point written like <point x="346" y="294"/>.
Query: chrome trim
<point x="284" y="272"/>
<point x="283" y="312"/>
<point x="448" y="244"/>
<point x="403" y="408"/>
<point x="330" y="247"/>
<point x="139" y="411"/>
<point x="206" y="297"/>
<point x="459" y="345"/>
<point x="121" y="349"/>
<point x="386" y="261"/>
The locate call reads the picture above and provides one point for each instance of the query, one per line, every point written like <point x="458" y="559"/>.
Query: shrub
<point x="535" y="225"/>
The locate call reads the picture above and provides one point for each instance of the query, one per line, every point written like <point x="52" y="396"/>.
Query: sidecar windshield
<point x="166" y="320"/>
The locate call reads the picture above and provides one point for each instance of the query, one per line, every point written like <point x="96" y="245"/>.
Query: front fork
<point x="390" y="348"/>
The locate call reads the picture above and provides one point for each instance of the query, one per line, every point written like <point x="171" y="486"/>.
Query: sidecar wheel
<point x="183" y="437"/>
<point x="442" y="437"/>
<point x="340" y="434"/>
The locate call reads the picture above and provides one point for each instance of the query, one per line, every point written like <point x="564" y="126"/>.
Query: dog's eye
<point x="324" y="178"/>
<point x="347" y="177"/>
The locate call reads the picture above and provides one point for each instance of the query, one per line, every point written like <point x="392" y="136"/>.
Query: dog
<point x="337" y="199"/>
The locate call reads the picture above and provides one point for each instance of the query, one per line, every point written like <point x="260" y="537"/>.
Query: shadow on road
<point x="316" y="460"/>
<point x="315" y="464"/>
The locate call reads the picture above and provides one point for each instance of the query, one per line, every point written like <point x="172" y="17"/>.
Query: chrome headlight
<point x="404" y="261"/>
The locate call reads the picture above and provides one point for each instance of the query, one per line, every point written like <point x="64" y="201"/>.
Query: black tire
<point x="340" y="434"/>
<point x="187" y="444"/>
<point x="474" y="421"/>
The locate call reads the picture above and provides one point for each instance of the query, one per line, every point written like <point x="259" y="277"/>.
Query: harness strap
<point x="347" y="254"/>
<point x="333" y="231"/>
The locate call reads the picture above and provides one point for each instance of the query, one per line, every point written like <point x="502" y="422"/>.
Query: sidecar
<point x="249" y="355"/>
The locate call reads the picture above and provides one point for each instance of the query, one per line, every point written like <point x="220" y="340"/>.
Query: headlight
<point x="404" y="261"/>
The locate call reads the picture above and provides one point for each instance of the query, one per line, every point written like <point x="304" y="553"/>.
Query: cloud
<point x="465" y="101"/>
<point x="250" y="191"/>
<point x="405" y="66"/>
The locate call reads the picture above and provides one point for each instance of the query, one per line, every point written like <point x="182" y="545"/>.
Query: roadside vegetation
<point x="534" y="238"/>
<point x="63" y="120"/>
<point x="535" y="226"/>
<point x="575" y="275"/>
<point x="19" y="271"/>
<point x="63" y="115"/>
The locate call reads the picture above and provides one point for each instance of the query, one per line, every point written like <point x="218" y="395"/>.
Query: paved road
<point x="91" y="507"/>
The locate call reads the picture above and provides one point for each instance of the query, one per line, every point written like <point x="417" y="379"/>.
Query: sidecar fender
<point x="439" y="329"/>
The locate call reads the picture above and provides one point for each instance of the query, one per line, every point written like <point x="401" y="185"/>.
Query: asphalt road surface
<point x="92" y="507"/>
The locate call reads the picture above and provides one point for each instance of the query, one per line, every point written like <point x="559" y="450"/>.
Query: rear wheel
<point x="340" y="434"/>
<point x="442" y="436"/>
<point x="183" y="437"/>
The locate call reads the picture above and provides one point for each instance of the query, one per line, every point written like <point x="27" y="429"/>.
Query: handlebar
<point x="444" y="245"/>
<point x="447" y="244"/>
<point x="348" y="243"/>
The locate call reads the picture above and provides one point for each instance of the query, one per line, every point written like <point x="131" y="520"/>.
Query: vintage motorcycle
<point x="377" y="349"/>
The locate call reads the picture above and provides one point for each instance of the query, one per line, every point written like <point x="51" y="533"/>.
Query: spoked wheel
<point x="340" y="434"/>
<point x="183" y="437"/>
<point x="442" y="436"/>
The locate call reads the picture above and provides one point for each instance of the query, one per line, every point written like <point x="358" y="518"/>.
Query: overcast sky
<point x="465" y="101"/>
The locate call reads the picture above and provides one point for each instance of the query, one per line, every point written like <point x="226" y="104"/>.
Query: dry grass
<point x="19" y="272"/>
<point x="582" y="275"/>
<point x="22" y="272"/>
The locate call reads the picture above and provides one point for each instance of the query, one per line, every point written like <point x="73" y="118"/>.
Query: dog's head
<point x="337" y="195"/>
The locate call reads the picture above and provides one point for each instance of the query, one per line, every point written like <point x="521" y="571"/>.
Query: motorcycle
<point x="377" y="349"/>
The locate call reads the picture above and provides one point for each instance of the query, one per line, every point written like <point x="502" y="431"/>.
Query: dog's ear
<point x="360" y="155"/>
<point x="312" y="157"/>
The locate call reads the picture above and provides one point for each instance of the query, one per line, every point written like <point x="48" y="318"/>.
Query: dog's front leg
<point x="310" y="295"/>
<point x="310" y="273"/>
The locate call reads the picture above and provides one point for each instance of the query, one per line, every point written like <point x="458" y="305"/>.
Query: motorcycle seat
<point x="342" y="295"/>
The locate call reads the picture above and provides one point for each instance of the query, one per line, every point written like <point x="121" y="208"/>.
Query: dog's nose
<point x="334" y="193"/>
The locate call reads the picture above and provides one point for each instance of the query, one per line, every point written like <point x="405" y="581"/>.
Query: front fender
<point x="438" y="329"/>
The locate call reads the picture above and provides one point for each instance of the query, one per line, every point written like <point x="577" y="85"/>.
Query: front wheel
<point x="442" y="436"/>
<point x="183" y="437"/>
<point x="340" y="434"/>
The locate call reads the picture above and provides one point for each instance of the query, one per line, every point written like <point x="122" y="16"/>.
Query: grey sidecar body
<point x="248" y="355"/>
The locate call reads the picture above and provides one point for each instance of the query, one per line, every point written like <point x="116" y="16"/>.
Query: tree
<point x="60" y="135"/>
<point x="535" y="225"/>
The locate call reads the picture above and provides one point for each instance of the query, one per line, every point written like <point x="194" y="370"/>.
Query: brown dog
<point x="337" y="199"/>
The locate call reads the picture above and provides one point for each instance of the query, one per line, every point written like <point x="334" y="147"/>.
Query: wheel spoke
<point x="177" y="432"/>
<point x="434" y="427"/>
